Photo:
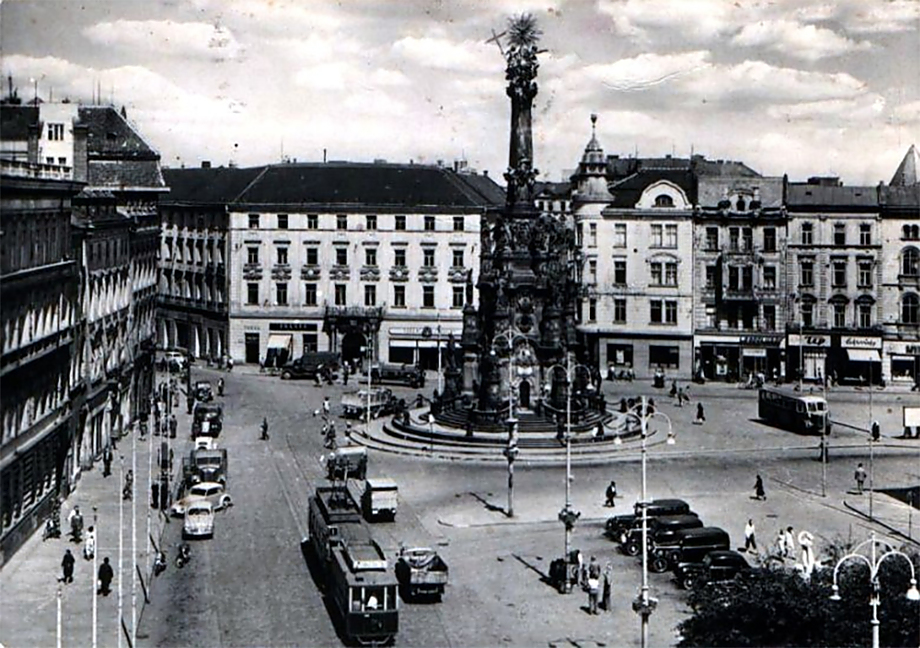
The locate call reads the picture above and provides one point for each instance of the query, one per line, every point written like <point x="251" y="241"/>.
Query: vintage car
<point x="203" y="391"/>
<point x="662" y="530"/>
<point x="199" y="520"/>
<point x="716" y="567"/>
<point x="379" y="401"/>
<point x="421" y="572"/>
<point x="618" y="524"/>
<point x="399" y="374"/>
<point x="309" y="364"/>
<point x="349" y="462"/>
<point x="205" y="443"/>
<point x="211" y="492"/>
<point x="174" y="360"/>
<point x="207" y="420"/>
<point x="689" y="545"/>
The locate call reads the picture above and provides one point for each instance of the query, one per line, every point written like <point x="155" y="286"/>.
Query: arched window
<point x="664" y="200"/>
<point x="910" y="232"/>
<point x="910" y="262"/>
<point x="740" y="205"/>
<point x="910" y="309"/>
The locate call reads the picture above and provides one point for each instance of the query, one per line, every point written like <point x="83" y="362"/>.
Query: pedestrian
<point x="580" y="575"/>
<point x="75" y="520"/>
<point x="107" y="460"/>
<point x="781" y="543"/>
<point x="611" y="494"/>
<point x="789" y="545"/>
<point x="750" y="543"/>
<point x="759" y="492"/>
<point x="348" y="429"/>
<point x="89" y="544"/>
<point x="173" y="425"/>
<point x="680" y="397"/>
<point x="700" y="414"/>
<point x="106" y="574"/>
<point x="345" y="373"/>
<point x="860" y="476"/>
<point x="126" y="492"/>
<point x="605" y="597"/>
<point x="67" y="565"/>
<point x="229" y="364"/>
<point x="594" y="585"/>
<point x="326" y="406"/>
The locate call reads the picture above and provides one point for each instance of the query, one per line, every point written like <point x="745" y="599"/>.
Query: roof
<point x="207" y="186"/>
<point x="15" y="121"/>
<point x="552" y="189"/>
<point x="902" y="198"/>
<point x="626" y="192"/>
<point x="711" y="189"/>
<point x="110" y="134"/>
<point x="819" y="196"/>
<point x="907" y="172"/>
<point x="125" y="173"/>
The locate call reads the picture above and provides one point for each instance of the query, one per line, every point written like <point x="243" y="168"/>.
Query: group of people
<point x="595" y="582"/>
<point x="105" y="575"/>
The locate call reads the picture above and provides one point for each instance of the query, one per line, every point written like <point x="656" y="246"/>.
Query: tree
<point x="778" y="607"/>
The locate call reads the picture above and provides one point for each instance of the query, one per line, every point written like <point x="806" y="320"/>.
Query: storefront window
<point x="666" y="357"/>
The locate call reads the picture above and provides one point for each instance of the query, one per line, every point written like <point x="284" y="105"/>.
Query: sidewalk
<point x="29" y="581"/>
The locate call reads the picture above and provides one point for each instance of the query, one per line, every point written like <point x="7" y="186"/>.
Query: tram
<point x="806" y="414"/>
<point x="357" y="578"/>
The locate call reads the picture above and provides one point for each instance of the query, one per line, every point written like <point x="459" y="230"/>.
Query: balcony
<point x="281" y="272"/>
<point x="739" y="294"/>
<point x="428" y="274"/>
<point x="340" y="273"/>
<point x="399" y="273"/>
<point x="252" y="271"/>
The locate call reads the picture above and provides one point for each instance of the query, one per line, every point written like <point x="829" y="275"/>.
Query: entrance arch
<point x="352" y="343"/>
<point x="524" y="394"/>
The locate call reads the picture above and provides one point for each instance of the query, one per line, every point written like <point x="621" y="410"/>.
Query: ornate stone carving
<point x="310" y="273"/>
<point x="252" y="271"/>
<point x="281" y="272"/>
<point x="428" y="275"/>
<point x="399" y="273"/>
<point x="370" y="273"/>
<point x="340" y="273"/>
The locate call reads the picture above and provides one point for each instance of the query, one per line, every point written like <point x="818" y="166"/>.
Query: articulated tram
<point x="359" y="583"/>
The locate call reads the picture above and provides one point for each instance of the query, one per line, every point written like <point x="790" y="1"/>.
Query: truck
<point x="378" y="497"/>
<point x="307" y="365"/>
<point x="400" y="374"/>
<point x="380" y="401"/>
<point x="348" y="462"/>
<point x="205" y="465"/>
<point x="420" y="571"/>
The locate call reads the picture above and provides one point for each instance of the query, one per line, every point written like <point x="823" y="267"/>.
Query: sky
<point x="823" y="87"/>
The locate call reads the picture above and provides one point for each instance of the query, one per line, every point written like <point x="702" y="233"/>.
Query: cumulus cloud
<point x="696" y="20"/>
<point x="167" y="38"/>
<point x="445" y="54"/>
<point x="797" y="40"/>
<point x="908" y="112"/>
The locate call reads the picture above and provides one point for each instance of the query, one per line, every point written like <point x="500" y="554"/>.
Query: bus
<point x="805" y="414"/>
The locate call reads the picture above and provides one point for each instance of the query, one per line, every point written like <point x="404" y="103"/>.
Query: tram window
<point x="800" y="407"/>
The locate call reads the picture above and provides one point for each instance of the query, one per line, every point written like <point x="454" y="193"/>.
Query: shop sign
<point x="856" y="342"/>
<point x="291" y="326"/>
<point x="809" y="340"/>
<point x="902" y="348"/>
<point x="760" y="340"/>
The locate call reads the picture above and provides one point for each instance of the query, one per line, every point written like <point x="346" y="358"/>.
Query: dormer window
<point x="740" y="205"/>
<point x="664" y="200"/>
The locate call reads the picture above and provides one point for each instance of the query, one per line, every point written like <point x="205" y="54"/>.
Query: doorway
<point x="524" y="394"/>
<point x="252" y="348"/>
<point x="352" y="347"/>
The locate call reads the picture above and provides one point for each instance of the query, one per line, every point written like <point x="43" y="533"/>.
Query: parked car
<point x="204" y="392"/>
<point x="174" y="360"/>
<point x="307" y="365"/>
<point x="207" y="420"/>
<point x="205" y="443"/>
<point x="199" y="520"/>
<point x="401" y="374"/>
<point x="716" y="567"/>
<point x="692" y="545"/>
<point x="661" y="531"/>
<point x="618" y="524"/>
<point x="211" y="492"/>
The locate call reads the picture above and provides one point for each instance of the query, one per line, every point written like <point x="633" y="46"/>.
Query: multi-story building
<point x="357" y="258"/>
<point x="900" y="263"/>
<point x="834" y="266"/>
<point x="39" y="309"/>
<point x="738" y="264"/>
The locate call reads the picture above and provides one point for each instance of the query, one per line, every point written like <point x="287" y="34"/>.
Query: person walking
<point x="759" y="493"/>
<point x="611" y="494"/>
<point x="860" y="476"/>
<point x="326" y="406"/>
<point x="107" y="460"/>
<point x="106" y="574"/>
<point x="173" y="426"/>
<point x="594" y="585"/>
<point x="789" y="544"/>
<point x="750" y="543"/>
<point x="605" y="596"/>
<point x="345" y="373"/>
<point x="680" y="397"/>
<point x="700" y="414"/>
<point x="781" y="543"/>
<point x="89" y="544"/>
<point x="67" y="565"/>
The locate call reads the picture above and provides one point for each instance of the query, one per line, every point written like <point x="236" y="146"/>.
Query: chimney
<point x="80" y="165"/>
<point x="205" y="164"/>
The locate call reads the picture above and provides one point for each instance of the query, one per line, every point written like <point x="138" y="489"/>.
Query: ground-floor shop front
<point x="840" y="358"/>
<point x="201" y="333"/>
<point x="901" y="361"/>
<point x="734" y="357"/>
<point x="644" y="355"/>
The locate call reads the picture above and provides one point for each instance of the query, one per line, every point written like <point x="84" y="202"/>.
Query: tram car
<point x="359" y="584"/>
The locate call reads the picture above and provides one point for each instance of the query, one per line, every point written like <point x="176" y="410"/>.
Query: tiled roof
<point x="902" y="198"/>
<point x="384" y="185"/>
<point x="109" y="134"/>
<point x="711" y="189"/>
<point x="125" y="173"/>
<point x="553" y="189"/>
<point x="817" y="196"/>
<point x="15" y="121"/>
<point x="626" y="192"/>
<point x="207" y="186"/>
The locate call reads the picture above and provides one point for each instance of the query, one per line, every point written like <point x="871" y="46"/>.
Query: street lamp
<point x="874" y="561"/>
<point x="644" y="604"/>
<point x="510" y="336"/>
<point x="95" y="572"/>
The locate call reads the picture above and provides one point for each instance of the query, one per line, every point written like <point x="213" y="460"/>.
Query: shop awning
<point x="754" y="353"/>
<point x="863" y="355"/>
<point x="280" y="341"/>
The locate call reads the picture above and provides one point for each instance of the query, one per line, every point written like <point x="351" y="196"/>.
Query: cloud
<point x="696" y="20"/>
<point x="878" y="17"/>
<point x="646" y="70"/>
<point x="797" y="40"/>
<point x="908" y="113"/>
<point x="167" y="38"/>
<point x="864" y="109"/>
<point x="445" y="54"/>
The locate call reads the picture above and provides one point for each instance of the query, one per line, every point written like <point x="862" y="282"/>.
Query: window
<point x="55" y="132"/>
<point x="865" y="234"/>
<point x="865" y="274"/>
<point x="458" y="297"/>
<point x="733" y="238"/>
<point x="62" y="161"/>
<point x="429" y="223"/>
<point x="910" y="262"/>
<point x="664" y="200"/>
<point x="712" y="238"/>
<point x="769" y="317"/>
<point x="740" y="204"/>
<point x="428" y="257"/>
<point x="341" y="295"/>
<point x="592" y="272"/>
<point x="592" y="235"/>
<point x="910" y="232"/>
<point x="840" y="274"/>
<point x="371" y="222"/>
<point x="619" y="235"/>
<point x="807" y="273"/>
<point x="864" y="312"/>
<point x="370" y="256"/>
<point x="457" y="258"/>
<point x="733" y="277"/>
<point x="252" y="254"/>
<point x="49" y="159"/>
<point x="427" y="296"/>
<point x="840" y="314"/>
<point x="310" y="343"/>
<point x="910" y="309"/>
<point x="710" y="277"/>
<point x="312" y="256"/>
<point x="711" y="317"/>
<point x="592" y="310"/>
<point x="670" y="312"/>
<point x="399" y="257"/>
<point x="666" y="357"/>
<point x="656" y="273"/>
<point x="769" y="277"/>
<point x="370" y="295"/>
<point x="252" y="294"/>
<point x="341" y="221"/>
<point x="769" y="239"/>
<point x="312" y="221"/>
<point x="253" y="221"/>
<point x="747" y="239"/>
<point x="281" y="293"/>
<point x="808" y="313"/>
<point x="399" y="296"/>
<point x="840" y="234"/>
<point x="657" y="236"/>
<point x="655" y="311"/>
<point x="670" y="236"/>
<point x="282" y="255"/>
<point x="747" y="278"/>
<point x="282" y="221"/>
<point x="619" y="272"/>
<point x="400" y="223"/>
<point x="341" y="256"/>
<point x="309" y="294"/>
<point x="458" y="224"/>
<point x="807" y="234"/>
<point x="670" y="274"/>
<point x="619" y="311"/>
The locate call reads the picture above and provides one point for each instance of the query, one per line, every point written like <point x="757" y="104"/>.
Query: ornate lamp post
<point x="874" y="561"/>
<point x="511" y="451"/>
<point x="644" y="604"/>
